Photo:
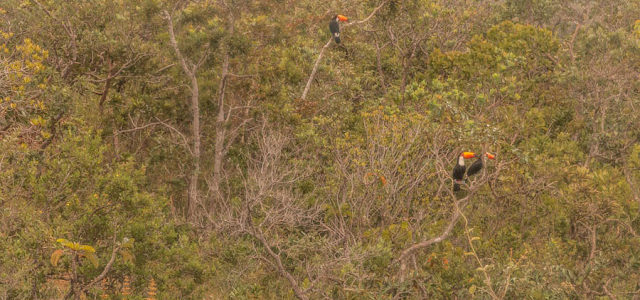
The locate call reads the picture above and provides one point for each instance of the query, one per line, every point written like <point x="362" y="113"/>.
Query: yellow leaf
<point x="93" y="259"/>
<point x="127" y="242"/>
<point x="55" y="256"/>
<point x="126" y="256"/>
<point x="73" y="246"/>
<point x="472" y="289"/>
<point x="66" y="243"/>
<point x="86" y="248"/>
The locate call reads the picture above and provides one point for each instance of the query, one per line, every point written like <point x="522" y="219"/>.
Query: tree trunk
<point x="195" y="175"/>
<point x="220" y="135"/>
<point x="192" y="191"/>
<point x="379" y="64"/>
<point x="221" y="132"/>
<point x="74" y="290"/>
<point x="403" y="84"/>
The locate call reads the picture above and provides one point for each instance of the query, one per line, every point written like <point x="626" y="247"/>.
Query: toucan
<point x="334" y="27"/>
<point x="477" y="165"/>
<point x="460" y="168"/>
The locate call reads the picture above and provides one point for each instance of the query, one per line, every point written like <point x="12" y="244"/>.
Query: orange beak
<point x="468" y="155"/>
<point x="342" y="18"/>
<point x="490" y="156"/>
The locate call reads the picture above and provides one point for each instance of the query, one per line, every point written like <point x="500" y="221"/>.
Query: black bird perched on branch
<point x="334" y="27"/>
<point x="460" y="168"/>
<point x="477" y="165"/>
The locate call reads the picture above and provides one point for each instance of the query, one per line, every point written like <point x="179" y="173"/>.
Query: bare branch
<point x="379" y="65"/>
<point x="315" y="66"/>
<point x="221" y="121"/>
<point x="184" y="138"/>
<point x="482" y="267"/>
<point x="174" y="44"/>
<point x="164" y="68"/>
<point x="445" y="233"/>
<point x="572" y="41"/>
<point x="458" y="206"/>
<point x="278" y="262"/>
<point x="375" y="10"/>
<point x="315" y="69"/>
<point x="606" y="290"/>
<point x="139" y="127"/>
<point x="107" y="268"/>
<point x="241" y="75"/>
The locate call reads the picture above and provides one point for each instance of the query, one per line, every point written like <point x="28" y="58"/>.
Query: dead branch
<point x="173" y="129"/>
<point x="487" y="278"/>
<point x="606" y="290"/>
<point x="315" y="66"/>
<point x="139" y="127"/>
<point x="458" y="207"/>
<point x="107" y="268"/>
<point x="174" y="44"/>
<point x="315" y="69"/>
<point x="375" y="10"/>
<point x="257" y="233"/>
<point x="445" y="233"/>
<point x="192" y="190"/>
<point x="221" y="122"/>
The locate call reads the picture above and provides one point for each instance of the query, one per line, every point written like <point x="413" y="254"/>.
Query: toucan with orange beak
<point x="460" y="168"/>
<point x="334" y="27"/>
<point x="477" y="165"/>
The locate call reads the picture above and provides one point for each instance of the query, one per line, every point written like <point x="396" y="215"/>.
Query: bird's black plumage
<point x="458" y="173"/>
<point x="334" y="27"/>
<point x="475" y="167"/>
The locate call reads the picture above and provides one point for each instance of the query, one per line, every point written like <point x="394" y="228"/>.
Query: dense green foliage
<point x="169" y="149"/>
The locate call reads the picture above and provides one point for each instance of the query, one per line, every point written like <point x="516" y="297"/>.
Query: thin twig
<point x="139" y="127"/>
<point x="375" y="10"/>
<point x="184" y="138"/>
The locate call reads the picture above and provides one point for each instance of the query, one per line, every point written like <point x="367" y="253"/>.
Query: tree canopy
<point x="231" y="149"/>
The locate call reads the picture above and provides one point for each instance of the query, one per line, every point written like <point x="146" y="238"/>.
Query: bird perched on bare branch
<point x="334" y="27"/>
